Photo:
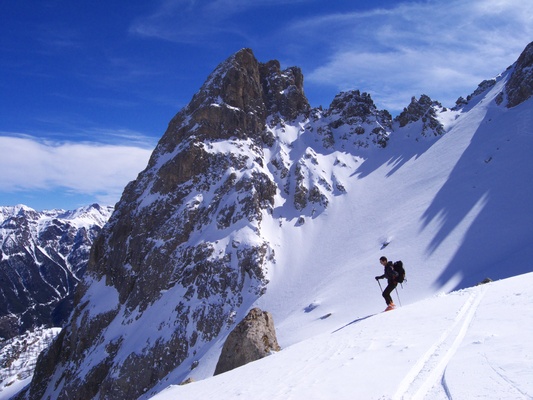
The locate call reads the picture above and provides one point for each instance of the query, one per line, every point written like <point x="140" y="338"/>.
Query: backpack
<point x="398" y="267"/>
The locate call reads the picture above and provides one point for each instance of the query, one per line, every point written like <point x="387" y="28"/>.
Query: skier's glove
<point x="377" y="278"/>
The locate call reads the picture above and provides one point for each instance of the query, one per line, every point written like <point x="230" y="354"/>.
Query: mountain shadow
<point x="490" y="184"/>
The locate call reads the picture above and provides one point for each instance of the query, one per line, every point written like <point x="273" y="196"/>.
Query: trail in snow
<point x="467" y="344"/>
<point x="513" y="387"/>
<point x="432" y="365"/>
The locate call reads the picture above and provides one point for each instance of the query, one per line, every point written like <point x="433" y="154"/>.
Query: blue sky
<point x="87" y="88"/>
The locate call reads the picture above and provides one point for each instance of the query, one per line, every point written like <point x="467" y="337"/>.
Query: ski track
<point x="513" y="385"/>
<point x="430" y="369"/>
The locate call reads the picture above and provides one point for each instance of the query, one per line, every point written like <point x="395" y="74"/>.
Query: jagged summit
<point x="353" y="104"/>
<point x="235" y="100"/>
<point x="355" y="115"/>
<point x="425" y="110"/>
<point x="243" y="83"/>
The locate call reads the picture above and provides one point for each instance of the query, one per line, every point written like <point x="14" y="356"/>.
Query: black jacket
<point x="389" y="273"/>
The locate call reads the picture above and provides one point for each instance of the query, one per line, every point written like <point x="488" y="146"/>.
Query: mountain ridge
<point x="43" y="255"/>
<point x="218" y="221"/>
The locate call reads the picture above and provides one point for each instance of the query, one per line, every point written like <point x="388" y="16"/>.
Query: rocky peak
<point x="283" y="90"/>
<point x="425" y="110"/>
<point x="235" y="100"/>
<point x="353" y="116"/>
<point x="185" y="241"/>
<point x="519" y="88"/>
<point x="232" y="94"/>
<point x="353" y="108"/>
<point x="352" y="104"/>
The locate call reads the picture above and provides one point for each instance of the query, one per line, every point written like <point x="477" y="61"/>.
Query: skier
<point x="391" y="276"/>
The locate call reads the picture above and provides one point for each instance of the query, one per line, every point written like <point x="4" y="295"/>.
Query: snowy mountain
<point x="42" y="257"/>
<point x="18" y="357"/>
<point x="252" y="198"/>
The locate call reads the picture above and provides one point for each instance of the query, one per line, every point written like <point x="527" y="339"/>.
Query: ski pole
<point x="380" y="288"/>
<point x="399" y="301"/>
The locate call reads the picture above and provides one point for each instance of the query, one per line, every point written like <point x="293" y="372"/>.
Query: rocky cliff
<point x="42" y="257"/>
<point x="519" y="88"/>
<point x="423" y="110"/>
<point x="186" y="241"/>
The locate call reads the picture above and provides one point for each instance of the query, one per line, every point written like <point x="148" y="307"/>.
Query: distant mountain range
<point x="253" y="198"/>
<point x="42" y="258"/>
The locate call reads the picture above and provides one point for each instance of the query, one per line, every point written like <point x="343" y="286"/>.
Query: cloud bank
<point x="90" y="169"/>
<point x="408" y="48"/>
<point x="433" y="47"/>
<point x="203" y="22"/>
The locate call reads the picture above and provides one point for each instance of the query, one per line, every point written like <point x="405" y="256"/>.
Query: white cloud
<point x="202" y="21"/>
<point x="83" y="168"/>
<point x="443" y="49"/>
<point x="182" y="21"/>
<point x="437" y="48"/>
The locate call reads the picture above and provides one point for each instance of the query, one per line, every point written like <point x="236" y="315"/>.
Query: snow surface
<point x="456" y="209"/>
<point x="471" y="343"/>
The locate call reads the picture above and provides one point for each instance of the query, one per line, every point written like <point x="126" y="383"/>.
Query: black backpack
<point x="398" y="267"/>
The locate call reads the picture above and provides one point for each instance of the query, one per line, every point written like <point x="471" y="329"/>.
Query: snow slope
<point x="456" y="209"/>
<point x="471" y="343"/>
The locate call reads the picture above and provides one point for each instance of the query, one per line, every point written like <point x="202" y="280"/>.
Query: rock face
<point x="235" y="101"/>
<point x="42" y="257"/>
<point x="423" y="110"/>
<point x="184" y="243"/>
<point x="519" y="88"/>
<point x="252" y="339"/>
<point x="364" y="121"/>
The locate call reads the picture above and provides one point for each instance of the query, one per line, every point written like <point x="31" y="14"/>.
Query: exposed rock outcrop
<point x="519" y="88"/>
<point x="252" y="339"/>
<point x="424" y="110"/>
<point x="363" y="120"/>
<point x="235" y="101"/>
